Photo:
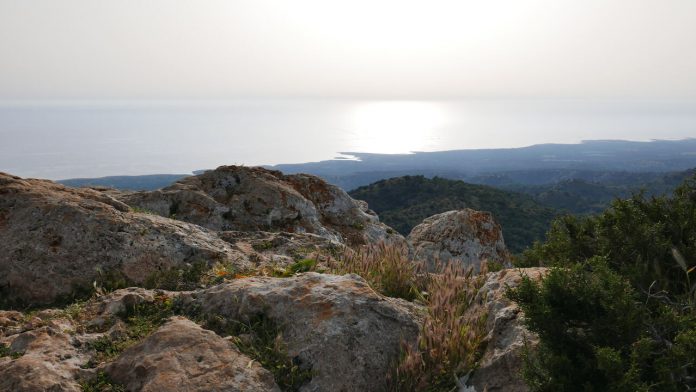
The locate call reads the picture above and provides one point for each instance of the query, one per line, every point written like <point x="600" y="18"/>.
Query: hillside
<point x="659" y="156"/>
<point x="134" y="183"/>
<point x="404" y="202"/>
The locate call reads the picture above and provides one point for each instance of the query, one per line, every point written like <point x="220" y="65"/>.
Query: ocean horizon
<point x="58" y="140"/>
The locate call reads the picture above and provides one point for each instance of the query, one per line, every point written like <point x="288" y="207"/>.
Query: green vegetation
<point x="617" y="311"/>
<point x="404" y="202"/>
<point x="261" y="339"/>
<point x="5" y="351"/>
<point x="595" y="193"/>
<point x="304" y="265"/>
<point x="101" y="383"/>
<point x="187" y="277"/>
<point x="263" y="245"/>
<point x="140" y="320"/>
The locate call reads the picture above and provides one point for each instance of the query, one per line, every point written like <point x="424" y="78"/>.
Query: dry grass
<point x="386" y="268"/>
<point x="452" y="336"/>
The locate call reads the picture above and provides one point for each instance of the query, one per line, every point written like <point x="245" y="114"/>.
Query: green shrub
<point x="587" y="319"/>
<point x="645" y="244"/>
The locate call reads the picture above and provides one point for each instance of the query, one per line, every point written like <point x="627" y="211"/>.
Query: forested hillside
<point x="404" y="202"/>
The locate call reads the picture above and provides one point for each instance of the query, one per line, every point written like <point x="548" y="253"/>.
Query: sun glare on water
<point x="393" y="127"/>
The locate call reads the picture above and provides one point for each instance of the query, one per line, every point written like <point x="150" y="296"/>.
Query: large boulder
<point x="500" y="366"/>
<point x="336" y="326"/>
<point x="181" y="356"/>
<point x="55" y="239"/>
<point x="465" y="235"/>
<point x="242" y="198"/>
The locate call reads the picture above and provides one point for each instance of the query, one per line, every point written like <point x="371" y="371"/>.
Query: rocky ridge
<point x="252" y="198"/>
<point x="335" y="333"/>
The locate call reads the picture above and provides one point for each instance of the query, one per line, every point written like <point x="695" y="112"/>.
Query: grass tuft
<point x="386" y="268"/>
<point x="452" y="337"/>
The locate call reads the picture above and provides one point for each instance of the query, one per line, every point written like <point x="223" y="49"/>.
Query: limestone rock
<point x="241" y="198"/>
<point x="54" y="239"/>
<point x="466" y="235"/>
<point x="48" y="362"/>
<point x="337" y="326"/>
<point x="279" y="248"/>
<point x="501" y="363"/>
<point x="181" y="356"/>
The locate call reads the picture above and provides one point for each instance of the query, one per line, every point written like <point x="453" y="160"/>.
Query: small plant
<point x="386" y="268"/>
<point x="261" y="339"/>
<point x="101" y="383"/>
<point x="452" y="336"/>
<point x="74" y="310"/>
<point x="218" y="273"/>
<point x="188" y="277"/>
<point x="261" y="246"/>
<point x="304" y="265"/>
<point x="141" y="210"/>
<point x="5" y="351"/>
<point x="141" y="320"/>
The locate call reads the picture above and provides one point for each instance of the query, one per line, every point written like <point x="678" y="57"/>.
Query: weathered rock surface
<point x="501" y="363"/>
<point x="241" y="198"/>
<point x="54" y="239"/>
<point x="49" y="361"/>
<point x="466" y="235"/>
<point x="337" y="326"/>
<point x="181" y="356"/>
<point x="279" y="248"/>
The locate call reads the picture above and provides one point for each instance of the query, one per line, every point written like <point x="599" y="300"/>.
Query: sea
<point x="68" y="139"/>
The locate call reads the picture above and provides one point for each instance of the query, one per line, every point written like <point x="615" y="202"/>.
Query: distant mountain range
<point x="533" y="165"/>
<point x="542" y="164"/>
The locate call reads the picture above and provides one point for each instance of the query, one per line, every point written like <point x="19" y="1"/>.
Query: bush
<point x="587" y="318"/>
<point x="595" y="332"/>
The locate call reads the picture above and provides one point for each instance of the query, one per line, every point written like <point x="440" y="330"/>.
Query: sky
<point x="377" y="49"/>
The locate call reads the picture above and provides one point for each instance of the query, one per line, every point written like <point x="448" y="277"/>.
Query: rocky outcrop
<point x="54" y="239"/>
<point x="465" y="235"/>
<point x="252" y="198"/>
<point x="501" y="363"/>
<point x="336" y="326"/>
<point x="181" y="356"/>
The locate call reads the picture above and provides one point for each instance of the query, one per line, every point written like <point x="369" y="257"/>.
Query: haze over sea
<point x="59" y="140"/>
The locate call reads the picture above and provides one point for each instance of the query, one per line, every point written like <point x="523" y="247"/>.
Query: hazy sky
<point x="168" y="49"/>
